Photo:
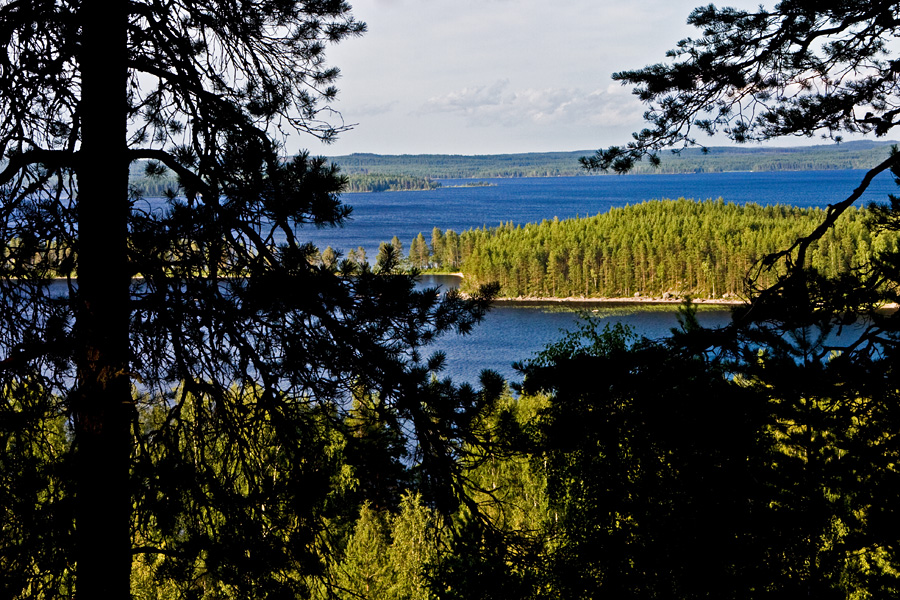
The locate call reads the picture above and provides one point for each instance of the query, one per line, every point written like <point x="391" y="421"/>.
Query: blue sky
<point x="497" y="76"/>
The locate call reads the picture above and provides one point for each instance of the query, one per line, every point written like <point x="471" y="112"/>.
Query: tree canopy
<point x="174" y="378"/>
<point x="656" y="248"/>
<point x="791" y="407"/>
<point x="799" y="69"/>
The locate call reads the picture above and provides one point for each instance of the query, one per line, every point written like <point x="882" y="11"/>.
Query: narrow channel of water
<point x="516" y="331"/>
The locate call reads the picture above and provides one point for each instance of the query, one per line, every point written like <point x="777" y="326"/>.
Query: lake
<point x="379" y="216"/>
<point x="515" y="332"/>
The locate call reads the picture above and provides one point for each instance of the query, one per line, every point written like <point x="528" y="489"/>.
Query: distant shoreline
<point x="620" y="300"/>
<point x="856" y="154"/>
<point x="643" y="301"/>
<point x="601" y="299"/>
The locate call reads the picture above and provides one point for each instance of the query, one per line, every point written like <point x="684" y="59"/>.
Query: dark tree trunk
<point x="102" y="402"/>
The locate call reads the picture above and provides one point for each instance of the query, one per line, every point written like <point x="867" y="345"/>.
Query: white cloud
<point x="372" y="110"/>
<point x="496" y="104"/>
<point x="468" y="100"/>
<point x="499" y="75"/>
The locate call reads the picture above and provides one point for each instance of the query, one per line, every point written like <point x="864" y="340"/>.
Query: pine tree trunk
<point x="102" y="402"/>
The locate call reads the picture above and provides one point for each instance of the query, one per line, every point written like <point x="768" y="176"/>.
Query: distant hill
<point x="846" y="155"/>
<point x="376" y="172"/>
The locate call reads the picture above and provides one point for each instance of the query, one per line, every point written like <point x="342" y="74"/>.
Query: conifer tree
<point x="365" y="571"/>
<point x="437" y="245"/>
<point x="418" y="252"/>
<point x="759" y="446"/>
<point x="329" y="258"/>
<point x="194" y="329"/>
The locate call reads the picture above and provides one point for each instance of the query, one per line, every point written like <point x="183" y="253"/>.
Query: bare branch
<point x="51" y="158"/>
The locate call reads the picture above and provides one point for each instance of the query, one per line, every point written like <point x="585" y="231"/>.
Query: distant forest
<point x="846" y="155"/>
<point x="382" y="172"/>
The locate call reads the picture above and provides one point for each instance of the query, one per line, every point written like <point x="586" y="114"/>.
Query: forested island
<point x="160" y="185"/>
<point x="389" y="183"/>
<point x="653" y="249"/>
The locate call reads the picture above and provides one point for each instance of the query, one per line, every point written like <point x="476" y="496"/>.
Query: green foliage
<point x="159" y="182"/>
<point x="184" y="395"/>
<point x="489" y="547"/>
<point x="507" y="486"/>
<point x="329" y="259"/>
<point x="801" y="408"/>
<point x="385" y="555"/>
<point x="481" y="562"/>
<point x="357" y="258"/>
<point x="364" y="570"/>
<point x="646" y="469"/>
<point x="658" y="470"/>
<point x="35" y="512"/>
<point x="419" y="252"/>
<point x="415" y="546"/>
<point x="681" y="473"/>
<point x="702" y="249"/>
<point x="388" y="183"/>
<point x="495" y="545"/>
<point x="203" y="488"/>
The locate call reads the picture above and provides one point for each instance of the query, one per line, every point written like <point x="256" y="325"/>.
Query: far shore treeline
<point x="679" y="247"/>
<point x="380" y="172"/>
<point x="862" y="154"/>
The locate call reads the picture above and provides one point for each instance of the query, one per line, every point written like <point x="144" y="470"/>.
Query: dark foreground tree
<point x="175" y="392"/>
<point x="675" y="473"/>
<point x="799" y="69"/>
<point x="754" y="461"/>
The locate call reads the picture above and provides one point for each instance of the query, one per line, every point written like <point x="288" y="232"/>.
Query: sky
<point x="497" y="76"/>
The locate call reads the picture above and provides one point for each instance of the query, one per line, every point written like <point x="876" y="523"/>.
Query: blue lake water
<point x="379" y="216"/>
<point x="516" y="332"/>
